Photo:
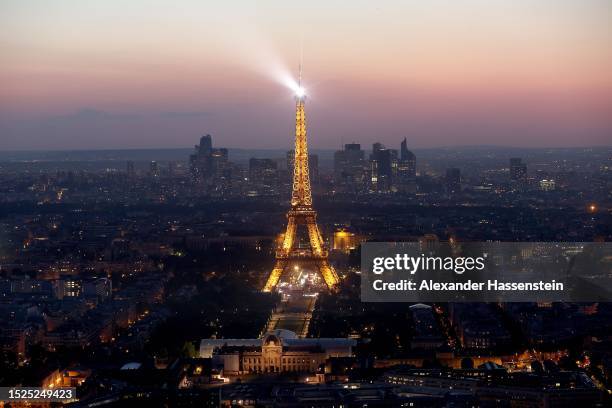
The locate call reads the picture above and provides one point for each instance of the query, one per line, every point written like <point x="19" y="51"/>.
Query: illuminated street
<point x="294" y="313"/>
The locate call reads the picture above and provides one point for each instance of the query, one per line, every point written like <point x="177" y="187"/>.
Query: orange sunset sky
<point x="127" y="74"/>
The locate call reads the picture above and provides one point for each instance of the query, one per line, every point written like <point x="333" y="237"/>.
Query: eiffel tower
<point x="301" y="213"/>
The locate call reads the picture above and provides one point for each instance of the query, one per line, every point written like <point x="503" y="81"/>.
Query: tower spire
<point x="301" y="62"/>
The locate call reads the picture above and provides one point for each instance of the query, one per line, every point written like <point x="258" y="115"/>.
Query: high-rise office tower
<point x="218" y="160"/>
<point x="154" y="169"/>
<point x="406" y="170"/>
<point x="200" y="161"/>
<point x="210" y="166"/>
<point x="518" y="169"/>
<point x="404" y="152"/>
<point x="205" y="146"/>
<point x="349" y="167"/>
<point x="381" y="167"/>
<point x="263" y="174"/>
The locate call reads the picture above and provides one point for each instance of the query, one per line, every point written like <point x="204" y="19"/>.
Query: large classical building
<point x="276" y="352"/>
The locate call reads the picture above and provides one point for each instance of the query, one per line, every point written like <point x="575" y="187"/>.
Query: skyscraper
<point x="154" y="169"/>
<point x="263" y="175"/>
<point x="210" y="166"/>
<point x="205" y="146"/>
<point x="406" y="170"/>
<point x="349" y="167"/>
<point x="518" y="169"/>
<point x="200" y="160"/>
<point x="381" y="167"/>
<point x="404" y="152"/>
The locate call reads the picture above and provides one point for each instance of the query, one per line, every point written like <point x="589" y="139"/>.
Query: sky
<point x="153" y="73"/>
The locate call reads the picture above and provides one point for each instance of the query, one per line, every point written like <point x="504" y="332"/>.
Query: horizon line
<point x="310" y="148"/>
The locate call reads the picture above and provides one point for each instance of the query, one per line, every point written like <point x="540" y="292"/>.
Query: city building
<point x="492" y="386"/>
<point x="547" y="185"/>
<point x="453" y="181"/>
<point x="406" y="170"/>
<point x="263" y="175"/>
<point x="427" y="334"/>
<point x="345" y="241"/>
<point x="381" y="167"/>
<point x="72" y="377"/>
<point x="349" y="168"/>
<point x="276" y="352"/>
<point x="154" y="169"/>
<point x="68" y="288"/>
<point x="518" y="170"/>
<point x="210" y="166"/>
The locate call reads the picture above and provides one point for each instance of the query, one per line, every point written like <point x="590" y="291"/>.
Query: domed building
<point x="276" y="352"/>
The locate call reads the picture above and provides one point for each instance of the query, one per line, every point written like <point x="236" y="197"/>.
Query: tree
<point x="467" y="363"/>
<point x="188" y="350"/>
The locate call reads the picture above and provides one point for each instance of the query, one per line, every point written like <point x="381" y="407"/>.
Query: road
<point x="293" y="313"/>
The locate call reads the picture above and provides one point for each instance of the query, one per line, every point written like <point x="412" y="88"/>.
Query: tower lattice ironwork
<point x="301" y="214"/>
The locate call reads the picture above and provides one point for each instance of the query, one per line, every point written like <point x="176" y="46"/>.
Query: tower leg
<point x="289" y="235"/>
<point x="275" y="275"/>
<point x="314" y="236"/>
<point x="317" y="248"/>
<point x="329" y="274"/>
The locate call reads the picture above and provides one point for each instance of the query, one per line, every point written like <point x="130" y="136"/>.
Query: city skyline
<point x="524" y="73"/>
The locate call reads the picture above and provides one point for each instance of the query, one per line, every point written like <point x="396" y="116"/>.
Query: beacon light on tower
<point x="297" y="87"/>
<point x="299" y="92"/>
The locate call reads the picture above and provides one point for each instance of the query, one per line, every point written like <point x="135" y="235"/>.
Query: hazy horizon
<point x="150" y="74"/>
<point x="367" y="147"/>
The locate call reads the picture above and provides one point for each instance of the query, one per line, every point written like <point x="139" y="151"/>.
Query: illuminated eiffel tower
<point x="301" y="213"/>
